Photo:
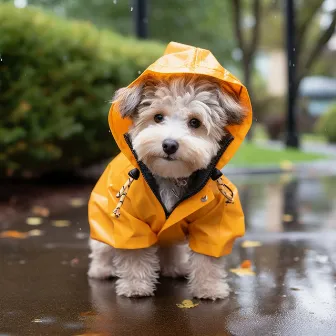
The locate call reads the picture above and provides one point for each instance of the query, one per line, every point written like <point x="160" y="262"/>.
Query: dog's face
<point x="178" y="122"/>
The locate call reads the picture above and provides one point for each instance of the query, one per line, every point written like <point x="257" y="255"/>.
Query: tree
<point x="309" y="45"/>
<point x="248" y="48"/>
<point x="265" y="30"/>
<point x="194" y="22"/>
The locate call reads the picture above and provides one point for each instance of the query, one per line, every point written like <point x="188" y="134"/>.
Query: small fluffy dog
<point x="177" y="124"/>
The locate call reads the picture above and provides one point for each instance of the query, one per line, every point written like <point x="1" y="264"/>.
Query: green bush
<point x="56" y="80"/>
<point x="327" y="124"/>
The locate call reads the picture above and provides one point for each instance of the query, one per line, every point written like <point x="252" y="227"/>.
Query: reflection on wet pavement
<point x="44" y="289"/>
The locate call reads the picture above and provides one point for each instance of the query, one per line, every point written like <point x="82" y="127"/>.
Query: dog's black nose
<point x="170" y="146"/>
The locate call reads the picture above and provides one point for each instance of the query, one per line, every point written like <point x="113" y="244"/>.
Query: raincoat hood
<point x="131" y="215"/>
<point x="183" y="59"/>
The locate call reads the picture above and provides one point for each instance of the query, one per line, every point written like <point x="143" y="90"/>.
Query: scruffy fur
<point x="178" y="99"/>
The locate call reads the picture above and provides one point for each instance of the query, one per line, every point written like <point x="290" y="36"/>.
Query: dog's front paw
<point x="100" y="271"/>
<point x="211" y="291"/>
<point x="135" y="287"/>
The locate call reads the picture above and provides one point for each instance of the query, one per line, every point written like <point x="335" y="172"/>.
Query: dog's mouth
<point x="169" y="158"/>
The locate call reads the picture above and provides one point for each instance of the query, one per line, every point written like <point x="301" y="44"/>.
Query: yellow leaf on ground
<point x="61" y="223"/>
<point x="250" y="243"/>
<point x="77" y="202"/>
<point x="34" y="221"/>
<point x="286" y="165"/>
<point x="14" y="234"/>
<point x="35" y="233"/>
<point x="287" y="218"/>
<point x="246" y="264"/>
<point x="40" y="211"/>
<point x="187" y="304"/>
<point x="243" y="271"/>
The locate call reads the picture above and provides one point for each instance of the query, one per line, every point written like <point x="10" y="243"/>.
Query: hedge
<point x="327" y="124"/>
<point x="56" y="80"/>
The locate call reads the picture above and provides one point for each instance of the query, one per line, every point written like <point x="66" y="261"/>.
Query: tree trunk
<point x="247" y="67"/>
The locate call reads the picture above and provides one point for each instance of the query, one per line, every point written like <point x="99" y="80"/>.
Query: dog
<point x="178" y="122"/>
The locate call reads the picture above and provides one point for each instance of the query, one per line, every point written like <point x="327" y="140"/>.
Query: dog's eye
<point x="194" y="123"/>
<point x="158" y="118"/>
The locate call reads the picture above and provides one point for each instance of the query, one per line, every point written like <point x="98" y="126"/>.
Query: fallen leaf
<point x="34" y="221"/>
<point x="74" y="261"/>
<point x="45" y="320"/>
<point x="246" y="264"/>
<point x="187" y="304"/>
<point x="81" y="235"/>
<point x="61" y="223"/>
<point x="242" y="271"/>
<point x="77" y="202"/>
<point x="14" y="234"/>
<point x="40" y="211"/>
<point x="287" y="218"/>
<point x="250" y="243"/>
<point x="35" y="233"/>
<point x="286" y="165"/>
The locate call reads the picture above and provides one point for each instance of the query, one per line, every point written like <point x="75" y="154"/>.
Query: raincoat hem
<point x="211" y="250"/>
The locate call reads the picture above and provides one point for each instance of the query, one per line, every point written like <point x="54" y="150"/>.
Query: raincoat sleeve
<point x="125" y="232"/>
<point x="213" y="229"/>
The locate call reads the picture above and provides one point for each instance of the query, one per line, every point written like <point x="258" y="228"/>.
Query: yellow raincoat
<point x="210" y="220"/>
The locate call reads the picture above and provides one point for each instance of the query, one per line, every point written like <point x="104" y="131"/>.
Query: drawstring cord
<point x="133" y="175"/>
<point x="222" y="187"/>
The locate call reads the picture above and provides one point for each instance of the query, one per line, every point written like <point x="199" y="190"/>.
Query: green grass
<point x="252" y="154"/>
<point x="260" y="134"/>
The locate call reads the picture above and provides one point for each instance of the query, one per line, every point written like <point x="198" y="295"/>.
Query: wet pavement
<point x="44" y="289"/>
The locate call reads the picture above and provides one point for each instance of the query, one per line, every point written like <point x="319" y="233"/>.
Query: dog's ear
<point x="128" y="99"/>
<point x="235" y="112"/>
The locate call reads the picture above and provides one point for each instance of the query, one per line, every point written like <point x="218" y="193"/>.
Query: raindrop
<point x="139" y="72"/>
<point x="293" y="49"/>
<point x="0" y="58"/>
<point x="115" y="2"/>
<point x="131" y="9"/>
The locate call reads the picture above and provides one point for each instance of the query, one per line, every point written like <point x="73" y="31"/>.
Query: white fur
<point x="101" y="266"/>
<point x="138" y="271"/>
<point x="207" y="277"/>
<point x="178" y="99"/>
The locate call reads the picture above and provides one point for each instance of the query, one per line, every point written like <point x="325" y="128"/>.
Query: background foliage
<point x="56" y="80"/>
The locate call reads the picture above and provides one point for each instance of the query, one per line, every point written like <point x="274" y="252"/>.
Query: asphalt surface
<point x="44" y="289"/>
